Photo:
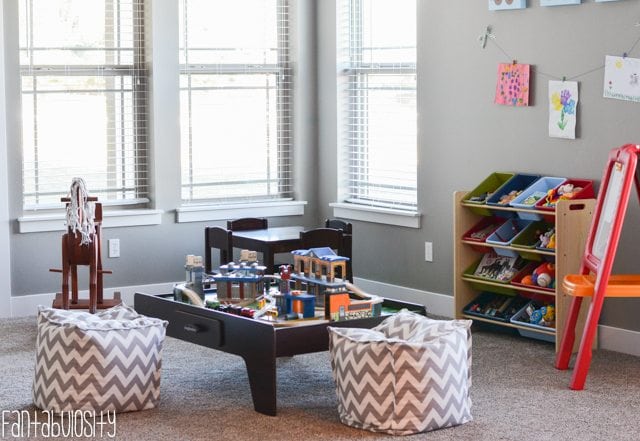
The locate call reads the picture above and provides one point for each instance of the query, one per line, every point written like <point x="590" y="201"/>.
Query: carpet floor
<point x="517" y="395"/>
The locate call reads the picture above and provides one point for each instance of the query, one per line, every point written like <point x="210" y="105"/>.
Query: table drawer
<point x="186" y="322"/>
<point x="197" y="329"/>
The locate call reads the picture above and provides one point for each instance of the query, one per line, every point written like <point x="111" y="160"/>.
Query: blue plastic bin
<point x="519" y="182"/>
<point x="538" y="189"/>
<point x="519" y="319"/>
<point x="493" y="306"/>
<point x="506" y="234"/>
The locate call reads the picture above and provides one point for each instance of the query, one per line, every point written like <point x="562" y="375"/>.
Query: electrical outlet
<point x="114" y="247"/>
<point x="428" y="251"/>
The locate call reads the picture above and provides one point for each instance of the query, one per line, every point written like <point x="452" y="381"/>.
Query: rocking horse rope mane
<point x="80" y="211"/>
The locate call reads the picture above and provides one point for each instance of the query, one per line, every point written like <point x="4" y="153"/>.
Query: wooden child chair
<point x="81" y="245"/>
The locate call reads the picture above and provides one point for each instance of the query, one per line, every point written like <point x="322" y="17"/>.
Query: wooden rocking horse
<point x="81" y="245"/>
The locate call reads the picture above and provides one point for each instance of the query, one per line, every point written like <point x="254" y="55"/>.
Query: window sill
<point x="409" y="219"/>
<point x="202" y="213"/>
<point x="110" y="219"/>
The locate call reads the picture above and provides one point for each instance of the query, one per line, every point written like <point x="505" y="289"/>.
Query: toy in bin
<point x="495" y="306"/>
<point x="548" y="239"/>
<point x="482" y="234"/>
<point x="540" y="315"/>
<point x="481" y="198"/>
<point x="544" y="276"/>
<point x="565" y="191"/>
<point x="506" y="198"/>
<point x="498" y="268"/>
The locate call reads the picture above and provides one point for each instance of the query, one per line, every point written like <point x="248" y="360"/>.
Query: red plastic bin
<point x="587" y="192"/>
<point x="528" y="270"/>
<point x="483" y="229"/>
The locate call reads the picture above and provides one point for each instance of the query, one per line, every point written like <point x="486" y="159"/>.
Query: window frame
<point x="354" y="72"/>
<point x="138" y="72"/>
<point x="283" y="72"/>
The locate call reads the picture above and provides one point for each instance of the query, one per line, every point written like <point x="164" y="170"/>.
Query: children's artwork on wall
<point x="563" y="101"/>
<point x="513" y="84"/>
<point x="622" y="78"/>
<point x="497" y="5"/>
<point x="559" y="2"/>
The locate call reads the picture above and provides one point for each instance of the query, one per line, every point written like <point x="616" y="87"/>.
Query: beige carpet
<point x="517" y="395"/>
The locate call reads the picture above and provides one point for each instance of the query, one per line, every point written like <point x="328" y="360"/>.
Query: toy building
<point x="239" y="280"/>
<point x="293" y="304"/>
<point x="317" y="268"/>
<point x="195" y="273"/>
<point x="319" y="262"/>
<point x="339" y="305"/>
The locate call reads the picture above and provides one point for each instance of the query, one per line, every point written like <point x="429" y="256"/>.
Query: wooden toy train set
<point x="310" y="290"/>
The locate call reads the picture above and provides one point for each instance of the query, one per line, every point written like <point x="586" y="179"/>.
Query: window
<point x="235" y="98"/>
<point x="378" y="86"/>
<point x="84" y="100"/>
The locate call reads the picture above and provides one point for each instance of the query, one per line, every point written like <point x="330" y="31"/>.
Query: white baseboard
<point x="609" y="338"/>
<point x="437" y="304"/>
<point x="22" y="306"/>
<point x="619" y="340"/>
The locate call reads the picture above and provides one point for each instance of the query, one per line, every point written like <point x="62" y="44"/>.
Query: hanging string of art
<point x="621" y="81"/>
<point x="488" y="36"/>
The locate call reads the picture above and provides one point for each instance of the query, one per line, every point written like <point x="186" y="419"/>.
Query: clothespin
<point x="624" y="55"/>
<point x="484" y="36"/>
<point x="515" y="62"/>
<point x="564" y="79"/>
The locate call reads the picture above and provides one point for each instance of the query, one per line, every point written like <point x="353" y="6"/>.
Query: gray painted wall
<point x="463" y="136"/>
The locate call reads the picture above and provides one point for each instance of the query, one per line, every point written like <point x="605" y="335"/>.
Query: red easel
<point x="595" y="279"/>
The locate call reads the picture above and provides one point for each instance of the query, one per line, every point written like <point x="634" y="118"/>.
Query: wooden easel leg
<point x="583" y="361"/>
<point x="568" y="338"/>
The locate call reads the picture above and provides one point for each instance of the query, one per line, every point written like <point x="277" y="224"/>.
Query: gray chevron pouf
<point x="409" y="374"/>
<point x="108" y="361"/>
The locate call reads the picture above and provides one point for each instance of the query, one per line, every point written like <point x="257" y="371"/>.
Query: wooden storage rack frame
<point x="572" y="220"/>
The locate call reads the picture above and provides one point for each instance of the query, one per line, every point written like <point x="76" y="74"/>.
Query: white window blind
<point x="84" y="100"/>
<point x="235" y="98"/>
<point x="377" y="57"/>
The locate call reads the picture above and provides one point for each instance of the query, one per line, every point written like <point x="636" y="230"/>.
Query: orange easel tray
<point x="620" y="285"/>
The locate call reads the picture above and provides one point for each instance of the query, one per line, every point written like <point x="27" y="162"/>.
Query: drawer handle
<point x="192" y="327"/>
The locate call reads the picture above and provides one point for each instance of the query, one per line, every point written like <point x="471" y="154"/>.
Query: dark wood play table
<point x="259" y="343"/>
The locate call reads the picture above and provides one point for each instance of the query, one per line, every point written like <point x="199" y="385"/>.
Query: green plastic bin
<point x="491" y="183"/>
<point x="529" y="238"/>
<point x="507" y="289"/>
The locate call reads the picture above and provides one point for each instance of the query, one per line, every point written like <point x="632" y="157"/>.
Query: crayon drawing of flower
<point x="563" y="103"/>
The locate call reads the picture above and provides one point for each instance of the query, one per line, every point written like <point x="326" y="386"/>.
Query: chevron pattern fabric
<point x="406" y="324"/>
<point x="410" y="374"/>
<point x="109" y="361"/>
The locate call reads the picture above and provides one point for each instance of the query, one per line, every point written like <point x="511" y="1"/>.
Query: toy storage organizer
<point x="502" y="302"/>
